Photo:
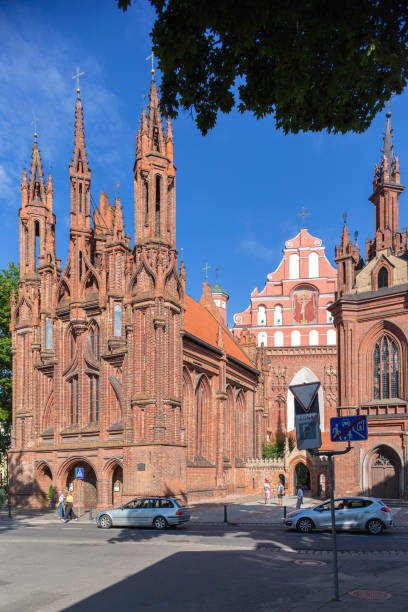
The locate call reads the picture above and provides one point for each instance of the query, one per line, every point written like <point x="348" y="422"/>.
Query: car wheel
<point x="375" y="526"/>
<point x="304" y="525"/>
<point x="105" y="522"/>
<point x="160" y="522"/>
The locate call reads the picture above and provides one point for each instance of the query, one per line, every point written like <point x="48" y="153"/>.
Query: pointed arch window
<point x="383" y="277"/>
<point x="37" y="242"/>
<point x="94" y="399"/>
<point x="158" y="196"/>
<point x="73" y="401"/>
<point x="48" y="334"/>
<point x="117" y="320"/>
<point x="386" y="365"/>
<point x="80" y="198"/>
<point x="96" y="341"/>
<point x="146" y="196"/>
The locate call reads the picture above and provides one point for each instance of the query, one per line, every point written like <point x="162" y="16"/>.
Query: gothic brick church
<point x="115" y="368"/>
<point x="371" y="317"/>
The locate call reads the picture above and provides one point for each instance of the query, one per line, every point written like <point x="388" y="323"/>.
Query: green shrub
<point x="275" y="449"/>
<point x="291" y="443"/>
<point x="50" y="492"/>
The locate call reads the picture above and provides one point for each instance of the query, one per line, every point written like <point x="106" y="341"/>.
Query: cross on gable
<point x="303" y="214"/>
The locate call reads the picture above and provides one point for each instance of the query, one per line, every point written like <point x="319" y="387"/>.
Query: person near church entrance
<point x="281" y="493"/>
<point x="267" y="491"/>
<point x="60" y="507"/>
<point x="299" y="496"/>
<point x="69" y="513"/>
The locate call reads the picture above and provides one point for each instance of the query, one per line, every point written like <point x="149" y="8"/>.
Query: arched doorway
<point x="301" y="477"/>
<point x="44" y="480"/>
<point x="322" y="485"/>
<point x="117" y="485"/>
<point x="89" y="485"/>
<point x="384" y="473"/>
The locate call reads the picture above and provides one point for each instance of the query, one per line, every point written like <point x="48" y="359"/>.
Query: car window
<point x="135" y="503"/>
<point x="155" y="503"/>
<point x="180" y="503"/>
<point x="323" y="507"/>
<point x="166" y="503"/>
<point x="357" y="503"/>
<point x="340" y="504"/>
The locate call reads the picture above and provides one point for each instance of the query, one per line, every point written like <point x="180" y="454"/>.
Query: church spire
<point x="79" y="160"/>
<point x="80" y="174"/>
<point x="386" y="191"/>
<point x="388" y="147"/>
<point x="36" y="191"/>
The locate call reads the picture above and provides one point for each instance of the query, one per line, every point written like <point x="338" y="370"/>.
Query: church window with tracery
<point x="383" y="278"/>
<point x="385" y="369"/>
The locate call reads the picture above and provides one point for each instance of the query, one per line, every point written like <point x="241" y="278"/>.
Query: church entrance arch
<point x="117" y="485"/>
<point x="89" y="485"/>
<point x="301" y="477"/>
<point x="384" y="470"/>
<point x="44" y="480"/>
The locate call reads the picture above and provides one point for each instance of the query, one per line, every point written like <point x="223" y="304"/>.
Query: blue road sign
<point x="343" y="429"/>
<point x="79" y="473"/>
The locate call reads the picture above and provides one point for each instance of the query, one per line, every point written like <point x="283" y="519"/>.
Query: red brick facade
<point x="115" y="368"/>
<point x="371" y="317"/>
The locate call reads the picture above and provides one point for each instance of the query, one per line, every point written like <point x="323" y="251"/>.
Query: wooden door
<point x="384" y="477"/>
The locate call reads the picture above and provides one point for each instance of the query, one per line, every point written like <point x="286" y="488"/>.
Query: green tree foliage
<point x="50" y="491"/>
<point x="275" y="449"/>
<point x="8" y="283"/>
<point x="291" y="443"/>
<point x="312" y="64"/>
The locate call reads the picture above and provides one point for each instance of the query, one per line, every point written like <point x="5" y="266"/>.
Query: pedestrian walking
<point x="281" y="493"/>
<point x="69" y="502"/>
<point x="267" y="491"/>
<point x="60" y="507"/>
<point x="299" y="495"/>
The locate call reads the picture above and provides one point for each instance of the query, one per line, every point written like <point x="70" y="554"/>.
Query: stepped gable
<point x="201" y="323"/>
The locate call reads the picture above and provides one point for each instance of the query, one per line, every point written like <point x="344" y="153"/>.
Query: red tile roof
<point x="199" y="322"/>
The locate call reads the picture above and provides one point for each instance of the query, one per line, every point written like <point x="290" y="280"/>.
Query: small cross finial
<point x="117" y="189"/>
<point x="34" y="123"/>
<point x="355" y="236"/>
<point x="303" y="214"/>
<point x="206" y="268"/>
<point x="76" y="76"/>
<point x="151" y="56"/>
<point x="216" y="273"/>
<point x="181" y="253"/>
<point x="345" y="217"/>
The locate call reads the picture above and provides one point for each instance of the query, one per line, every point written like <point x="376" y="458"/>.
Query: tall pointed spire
<point x="36" y="188"/>
<point x="79" y="160"/>
<point x="388" y="147"/>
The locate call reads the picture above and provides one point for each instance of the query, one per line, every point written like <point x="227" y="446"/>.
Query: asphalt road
<point x="78" y="567"/>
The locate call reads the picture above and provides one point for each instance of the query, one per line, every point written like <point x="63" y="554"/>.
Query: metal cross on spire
<point x="303" y="214"/>
<point x="216" y="273"/>
<point x="151" y="56"/>
<point x="117" y="186"/>
<point x="206" y="268"/>
<point x="34" y="123"/>
<point x="76" y="76"/>
<point x="345" y="218"/>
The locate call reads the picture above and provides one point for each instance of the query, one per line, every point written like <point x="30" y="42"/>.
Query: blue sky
<point x="239" y="188"/>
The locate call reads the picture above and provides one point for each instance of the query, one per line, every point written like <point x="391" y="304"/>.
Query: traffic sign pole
<point x="79" y="498"/>
<point x="330" y="456"/>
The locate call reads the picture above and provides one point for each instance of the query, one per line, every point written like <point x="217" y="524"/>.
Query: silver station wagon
<point x="158" y="512"/>
<point x="351" y="514"/>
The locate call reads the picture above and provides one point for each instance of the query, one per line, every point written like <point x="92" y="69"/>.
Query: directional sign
<point x="79" y="473"/>
<point x="307" y="415"/>
<point x="343" y="429"/>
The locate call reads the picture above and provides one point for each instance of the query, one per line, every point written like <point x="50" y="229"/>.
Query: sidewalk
<point x="242" y="510"/>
